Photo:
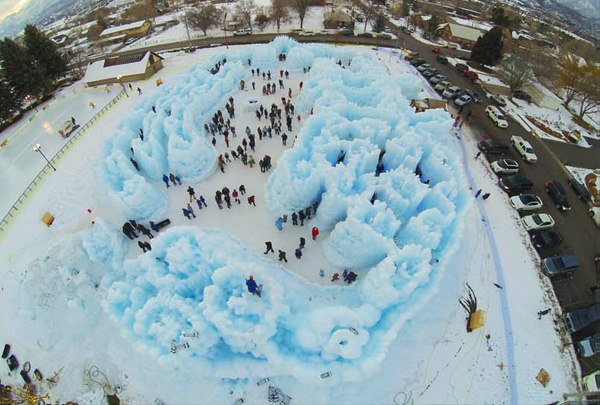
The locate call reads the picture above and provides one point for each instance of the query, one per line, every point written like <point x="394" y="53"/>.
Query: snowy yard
<point x="79" y="296"/>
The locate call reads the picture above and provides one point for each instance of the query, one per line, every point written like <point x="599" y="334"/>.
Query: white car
<point x="463" y="100"/>
<point x="325" y="32"/>
<point x="537" y="222"/>
<point x="242" y="32"/>
<point x="441" y="86"/>
<point x="496" y="116"/>
<point x="451" y="92"/>
<point x="526" y="202"/>
<point x="437" y="78"/>
<point x="505" y="166"/>
<point x="424" y="67"/>
<point x="306" y="33"/>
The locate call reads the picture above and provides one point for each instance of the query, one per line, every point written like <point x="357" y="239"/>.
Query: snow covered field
<point x="79" y="296"/>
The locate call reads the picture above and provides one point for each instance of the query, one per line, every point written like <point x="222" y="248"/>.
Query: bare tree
<point x="589" y="90"/>
<point x="517" y="73"/>
<point x="245" y="9"/>
<point x="301" y="7"/>
<point x="142" y="10"/>
<point x="204" y="17"/>
<point x="568" y="77"/>
<point x="370" y="11"/>
<point x="279" y="12"/>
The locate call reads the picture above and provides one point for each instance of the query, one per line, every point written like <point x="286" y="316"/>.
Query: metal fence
<point x="12" y="212"/>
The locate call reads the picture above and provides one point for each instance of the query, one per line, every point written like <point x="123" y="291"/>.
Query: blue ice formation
<point x="396" y="229"/>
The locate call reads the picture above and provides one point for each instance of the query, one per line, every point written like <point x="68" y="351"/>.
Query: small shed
<point x="428" y="104"/>
<point x="123" y="69"/>
<point x="337" y="18"/>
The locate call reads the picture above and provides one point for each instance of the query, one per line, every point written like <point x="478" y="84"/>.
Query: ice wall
<point x="385" y="181"/>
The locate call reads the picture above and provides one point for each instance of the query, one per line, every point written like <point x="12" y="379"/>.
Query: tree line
<point x="30" y="67"/>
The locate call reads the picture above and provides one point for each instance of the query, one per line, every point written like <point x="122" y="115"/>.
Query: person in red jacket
<point x="315" y="232"/>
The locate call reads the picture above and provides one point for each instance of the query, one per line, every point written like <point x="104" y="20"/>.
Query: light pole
<point x="38" y="148"/>
<point x="225" y="29"/>
<point x="120" y="79"/>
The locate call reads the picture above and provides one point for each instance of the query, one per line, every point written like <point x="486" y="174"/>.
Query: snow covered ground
<point x="82" y="301"/>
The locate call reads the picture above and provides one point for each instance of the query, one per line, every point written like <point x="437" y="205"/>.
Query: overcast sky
<point x="10" y="6"/>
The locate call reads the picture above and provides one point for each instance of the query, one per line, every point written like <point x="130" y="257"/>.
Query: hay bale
<point x="47" y="218"/>
<point x="543" y="377"/>
<point x="477" y="320"/>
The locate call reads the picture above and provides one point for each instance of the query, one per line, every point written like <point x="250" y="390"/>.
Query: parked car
<point x="591" y="383"/>
<point x="582" y="192"/>
<point x="504" y="166"/>
<point x="524" y="148"/>
<point x="461" y="67"/>
<point x="594" y="213"/>
<point x="441" y="86"/>
<point x="469" y="74"/>
<point x="496" y="116"/>
<point x="463" y="100"/>
<point x="307" y="33"/>
<point x="242" y="32"/>
<point x="384" y="36"/>
<point x="430" y="72"/>
<point x="526" y="202"/>
<point x="546" y="239"/>
<point x="325" y="32"/>
<point x="497" y="99"/>
<point x="435" y="50"/>
<point x="451" y="92"/>
<point x="589" y="346"/>
<point x="474" y="95"/>
<point x="411" y="55"/>
<point x="347" y="32"/>
<point x="417" y="61"/>
<point x="491" y="146"/>
<point x="537" y="222"/>
<point x="580" y="318"/>
<point x="521" y="95"/>
<point x="442" y="59"/>
<point x="515" y="183"/>
<point x="365" y="35"/>
<point x="451" y="46"/>
<point x="557" y="193"/>
<point x="560" y="266"/>
<point x="424" y="67"/>
<point x="437" y="78"/>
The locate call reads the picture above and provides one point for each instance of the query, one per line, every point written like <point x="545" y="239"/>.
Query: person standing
<point x="235" y="196"/>
<point x="298" y="253"/>
<point x="165" y="179"/>
<point x="302" y="243"/>
<point x="485" y="196"/>
<point x="190" y="210"/>
<point x="201" y="202"/>
<point x="301" y="217"/>
<point x="227" y="199"/>
<point x="279" y="223"/>
<point x="284" y="139"/>
<point x="251" y="200"/>
<point x="477" y="193"/>
<point x="294" y="219"/>
<point x="192" y="193"/>
<point x="269" y="247"/>
<point x="186" y="213"/>
<point x="315" y="233"/>
<point x="242" y="189"/>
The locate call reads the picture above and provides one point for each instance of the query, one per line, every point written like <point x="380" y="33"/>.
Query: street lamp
<point x="119" y="78"/>
<point x="38" y="148"/>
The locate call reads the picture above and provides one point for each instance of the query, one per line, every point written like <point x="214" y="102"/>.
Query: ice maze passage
<point x="386" y="183"/>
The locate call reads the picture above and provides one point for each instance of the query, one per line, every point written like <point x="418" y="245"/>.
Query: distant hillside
<point x="36" y="12"/>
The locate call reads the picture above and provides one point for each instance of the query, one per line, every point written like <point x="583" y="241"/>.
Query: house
<point x="123" y="32"/>
<point x="121" y="69"/>
<point x="428" y="104"/>
<point x="465" y="36"/>
<point x="337" y="18"/>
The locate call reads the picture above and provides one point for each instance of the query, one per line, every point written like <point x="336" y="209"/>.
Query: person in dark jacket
<point x="298" y="253"/>
<point x="135" y="164"/>
<point x="144" y="231"/>
<point x="282" y="256"/>
<point x="302" y="243"/>
<point x="269" y="247"/>
<point x="166" y="180"/>
<point x="129" y="231"/>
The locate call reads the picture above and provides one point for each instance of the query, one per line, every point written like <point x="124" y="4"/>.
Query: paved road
<point x="581" y="237"/>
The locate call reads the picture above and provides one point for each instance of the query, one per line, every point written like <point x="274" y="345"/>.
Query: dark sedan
<point x="547" y="239"/>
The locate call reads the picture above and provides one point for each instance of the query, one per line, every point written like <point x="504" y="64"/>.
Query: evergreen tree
<point x="379" y="23"/>
<point x="20" y="70"/>
<point x="9" y="103"/>
<point x="405" y="8"/>
<point x="433" y="27"/>
<point x="488" y="49"/>
<point x="52" y="63"/>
